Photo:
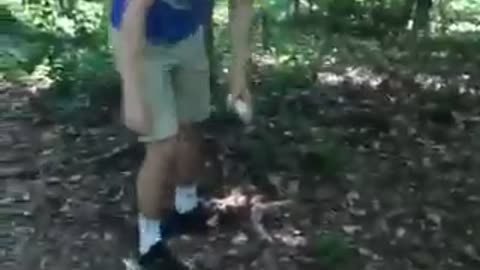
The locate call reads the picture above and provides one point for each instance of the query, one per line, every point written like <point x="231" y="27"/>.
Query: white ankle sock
<point x="149" y="233"/>
<point x="186" y="198"/>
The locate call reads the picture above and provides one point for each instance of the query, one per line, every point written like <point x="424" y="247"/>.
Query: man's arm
<point x="132" y="42"/>
<point x="240" y="21"/>
<point x="132" y="39"/>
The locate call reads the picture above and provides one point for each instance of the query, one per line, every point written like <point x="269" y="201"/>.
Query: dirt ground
<point x="378" y="179"/>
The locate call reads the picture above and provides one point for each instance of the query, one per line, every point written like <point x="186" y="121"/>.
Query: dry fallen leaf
<point x="240" y="239"/>
<point x="471" y="252"/>
<point x="292" y="240"/>
<point x="435" y="218"/>
<point x="75" y="178"/>
<point x="351" y="229"/>
<point x="400" y="232"/>
<point x="53" y="180"/>
<point x="352" y="196"/>
<point x="368" y="253"/>
<point x="358" y="212"/>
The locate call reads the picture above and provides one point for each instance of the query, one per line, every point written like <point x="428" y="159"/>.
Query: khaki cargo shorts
<point x="176" y="84"/>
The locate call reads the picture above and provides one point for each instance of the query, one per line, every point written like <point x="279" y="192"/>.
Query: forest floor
<point x="380" y="176"/>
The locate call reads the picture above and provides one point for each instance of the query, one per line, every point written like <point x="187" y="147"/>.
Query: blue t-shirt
<point x="167" y="22"/>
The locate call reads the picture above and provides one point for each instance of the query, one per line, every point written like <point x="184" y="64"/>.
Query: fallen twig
<point x="109" y="155"/>
<point x="258" y="211"/>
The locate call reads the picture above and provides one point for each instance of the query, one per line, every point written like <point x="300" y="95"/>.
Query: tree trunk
<point x="407" y="12"/>
<point x="265" y="26"/>
<point x="240" y="21"/>
<point x="210" y="44"/>
<point x="442" y="13"/>
<point x="296" y="8"/>
<point x="311" y="5"/>
<point x="421" y="21"/>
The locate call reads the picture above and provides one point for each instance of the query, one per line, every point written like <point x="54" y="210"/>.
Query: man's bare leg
<point x="154" y="183"/>
<point x="189" y="171"/>
<point x="155" y="190"/>
<point x="189" y="164"/>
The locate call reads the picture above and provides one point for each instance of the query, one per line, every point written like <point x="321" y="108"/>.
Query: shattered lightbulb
<point x="242" y="108"/>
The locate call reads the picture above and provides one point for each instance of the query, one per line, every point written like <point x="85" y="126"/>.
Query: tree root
<point x="117" y="151"/>
<point x="258" y="211"/>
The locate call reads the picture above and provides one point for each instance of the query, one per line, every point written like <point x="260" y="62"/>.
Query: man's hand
<point x="134" y="113"/>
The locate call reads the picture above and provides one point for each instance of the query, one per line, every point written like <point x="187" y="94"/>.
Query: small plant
<point x="332" y="250"/>
<point x="327" y="158"/>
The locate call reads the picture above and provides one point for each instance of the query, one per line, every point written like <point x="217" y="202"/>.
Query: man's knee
<point x="189" y="132"/>
<point x="161" y="151"/>
<point x="160" y="165"/>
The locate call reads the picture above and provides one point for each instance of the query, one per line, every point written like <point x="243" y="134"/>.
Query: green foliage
<point x="332" y="250"/>
<point x="327" y="157"/>
<point x="40" y="32"/>
<point x="68" y="40"/>
<point x="20" y="50"/>
<point x="47" y="16"/>
<point x="275" y="9"/>
<point x="367" y="18"/>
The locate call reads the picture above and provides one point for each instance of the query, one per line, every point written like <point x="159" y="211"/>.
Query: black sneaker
<point x="192" y="222"/>
<point x="158" y="257"/>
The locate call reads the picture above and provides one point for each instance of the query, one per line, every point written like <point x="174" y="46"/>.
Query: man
<point x="160" y="55"/>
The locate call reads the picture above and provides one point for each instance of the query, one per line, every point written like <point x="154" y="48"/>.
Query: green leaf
<point x="332" y="250"/>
